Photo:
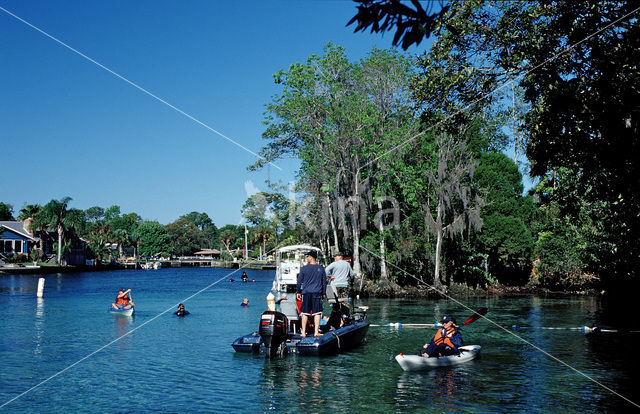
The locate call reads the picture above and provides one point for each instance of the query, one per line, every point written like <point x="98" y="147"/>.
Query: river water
<point x="62" y="353"/>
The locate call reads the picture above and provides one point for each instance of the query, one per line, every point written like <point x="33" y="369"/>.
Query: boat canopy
<point x="296" y="247"/>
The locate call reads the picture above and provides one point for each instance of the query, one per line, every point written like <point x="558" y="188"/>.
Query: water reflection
<point x="39" y="326"/>
<point x="122" y="325"/>
<point x="439" y="385"/>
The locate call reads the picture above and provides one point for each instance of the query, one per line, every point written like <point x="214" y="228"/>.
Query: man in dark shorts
<point x="311" y="289"/>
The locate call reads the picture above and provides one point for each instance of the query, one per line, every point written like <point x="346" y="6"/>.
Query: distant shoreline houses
<point x="16" y="239"/>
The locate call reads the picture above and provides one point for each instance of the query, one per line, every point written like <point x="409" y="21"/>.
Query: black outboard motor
<point x="273" y="330"/>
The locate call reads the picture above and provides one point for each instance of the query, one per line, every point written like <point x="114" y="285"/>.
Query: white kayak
<point x="123" y="312"/>
<point x="417" y="362"/>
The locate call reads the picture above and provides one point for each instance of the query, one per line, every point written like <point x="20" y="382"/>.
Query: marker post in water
<point x="40" y="292"/>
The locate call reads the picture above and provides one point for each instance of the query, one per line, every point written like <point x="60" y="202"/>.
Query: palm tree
<point x="262" y="234"/>
<point x="29" y="211"/>
<point x="55" y="215"/>
<point x="27" y="214"/>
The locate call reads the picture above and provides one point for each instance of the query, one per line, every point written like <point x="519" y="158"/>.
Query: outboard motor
<point x="273" y="330"/>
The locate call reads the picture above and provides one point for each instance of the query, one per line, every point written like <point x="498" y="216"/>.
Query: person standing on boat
<point x="311" y="289"/>
<point x="123" y="300"/>
<point x="446" y="341"/>
<point x="341" y="274"/>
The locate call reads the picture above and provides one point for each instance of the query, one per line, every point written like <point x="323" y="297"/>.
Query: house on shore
<point x="16" y="238"/>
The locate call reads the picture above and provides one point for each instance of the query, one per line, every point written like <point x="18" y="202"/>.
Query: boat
<point x="289" y="260"/>
<point x="418" y="362"/>
<point x="278" y="336"/>
<point x="121" y="312"/>
<point x="279" y="332"/>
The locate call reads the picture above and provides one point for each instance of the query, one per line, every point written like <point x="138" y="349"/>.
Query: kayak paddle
<point x="479" y="314"/>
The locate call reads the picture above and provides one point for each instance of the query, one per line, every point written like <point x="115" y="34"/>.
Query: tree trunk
<point x="436" y="274"/>
<point x="333" y="224"/>
<point x="60" y="238"/>
<point x="384" y="277"/>
<point x="355" y="229"/>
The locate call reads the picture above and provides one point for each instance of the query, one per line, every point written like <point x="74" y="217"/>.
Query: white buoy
<point x="40" y="292"/>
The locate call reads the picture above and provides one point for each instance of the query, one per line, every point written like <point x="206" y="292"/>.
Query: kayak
<point x="417" y="362"/>
<point x="123" y="312"/>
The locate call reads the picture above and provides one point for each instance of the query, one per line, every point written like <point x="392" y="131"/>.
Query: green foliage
<point x="186" y="238"/>
<point x="232" y="236"/>
<point x="29" y="211"/>
<point x="154" y="239"/>
<point x="505" y="238"/>
<point x="56" y="216"/>
<point x="6" y="212"/>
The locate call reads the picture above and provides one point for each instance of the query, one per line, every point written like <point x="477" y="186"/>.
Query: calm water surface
<point x="171" y="364"/>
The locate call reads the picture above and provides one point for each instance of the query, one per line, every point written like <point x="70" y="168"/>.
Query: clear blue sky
<point x="70" y="128"/>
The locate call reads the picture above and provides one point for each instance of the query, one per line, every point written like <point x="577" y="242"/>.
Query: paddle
<point x="479" y="314"/>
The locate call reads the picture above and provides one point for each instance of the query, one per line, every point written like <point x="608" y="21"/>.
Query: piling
<point x="40" y="292"/>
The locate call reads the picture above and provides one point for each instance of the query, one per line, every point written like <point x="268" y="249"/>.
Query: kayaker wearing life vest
<point x="123" y="300"/>
<point x="446" y="340"/>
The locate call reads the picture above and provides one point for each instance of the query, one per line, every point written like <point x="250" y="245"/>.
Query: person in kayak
<point x="181" y="311"/>
<point x="123" y="300"/>
<point x="311" y="289"/>
<point x="446" y="341"/>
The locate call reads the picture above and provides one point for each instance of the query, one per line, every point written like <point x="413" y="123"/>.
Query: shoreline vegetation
<point x="369" y="289"/>
<point x="404" y="165"/>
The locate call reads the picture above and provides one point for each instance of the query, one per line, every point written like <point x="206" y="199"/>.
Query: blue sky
<point x="70" y="128"/>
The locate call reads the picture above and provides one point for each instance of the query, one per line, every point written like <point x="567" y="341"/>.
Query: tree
<point x="29" y="211"/>
<point x="186" y="238"/>
<point x="97" y="232"/>
<point x="411" y="24"/>
<point x="505" y="238"/>
<point x="204" y="223"/>
<point x="453" y="203"/>
<point x="154" y="239"/>
<point x="55" y="215"/>
<point x="576" y="64"/>
<point x="124" y="228"/>
<point x="342" y="119"/>
<point x="262" y="235"/>
<point x="6" y="212"/>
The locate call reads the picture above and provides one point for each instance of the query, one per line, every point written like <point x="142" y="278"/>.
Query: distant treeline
<point x="109" y="233"/>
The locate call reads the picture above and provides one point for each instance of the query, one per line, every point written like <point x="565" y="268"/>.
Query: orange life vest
<point x="439" y="338"/>
<point x="124" y="300"/>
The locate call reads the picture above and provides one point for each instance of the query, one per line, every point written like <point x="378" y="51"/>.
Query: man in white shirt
<point x="340" y="273"/>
